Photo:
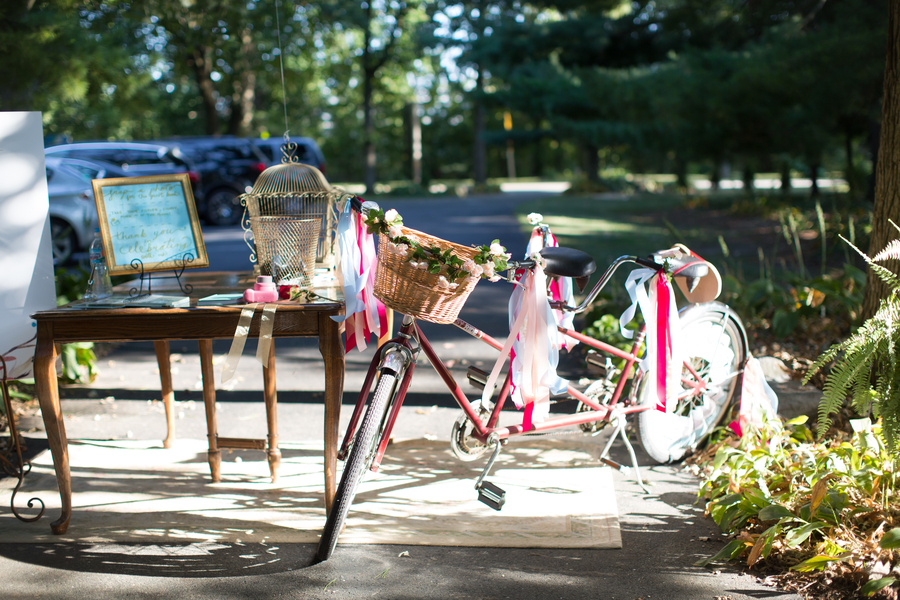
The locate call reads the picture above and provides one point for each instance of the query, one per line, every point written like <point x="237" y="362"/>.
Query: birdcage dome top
<point x="290" y="177"/>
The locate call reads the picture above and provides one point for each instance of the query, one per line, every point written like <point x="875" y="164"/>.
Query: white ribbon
<point x="635" y="285"/>
<point x="242" y="331"/>
<point x="535" y="340"/>
<point x="353" y="278"/>
<point x="566" y="290"/>
<point x="266" y="326"/>
<point x="237" y="344"/>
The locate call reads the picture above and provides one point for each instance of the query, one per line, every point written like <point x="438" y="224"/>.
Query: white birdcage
<point x="290" y="214"/>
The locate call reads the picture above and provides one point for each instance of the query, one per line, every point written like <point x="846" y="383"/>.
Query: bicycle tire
<point x="361" y="455"/>
<point x="714" y="343"/>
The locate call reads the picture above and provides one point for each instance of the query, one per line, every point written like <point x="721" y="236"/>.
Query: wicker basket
<point x="415" y="292"/>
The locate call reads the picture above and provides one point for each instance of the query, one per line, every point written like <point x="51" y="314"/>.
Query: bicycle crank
<point x="488" y="493"/>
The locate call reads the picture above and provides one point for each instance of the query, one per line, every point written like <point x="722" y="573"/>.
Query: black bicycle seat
<point x="567" y="262"/>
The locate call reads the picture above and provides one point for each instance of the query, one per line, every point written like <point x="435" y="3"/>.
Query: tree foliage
<point x="658" y="84"/>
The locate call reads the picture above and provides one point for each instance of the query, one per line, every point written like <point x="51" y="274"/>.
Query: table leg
<point x="333" y="354"/>
<point x="209" y="401"/>
<point x="168" y="393"/>
<point x="273" y="454"/>
<point x="48" y="396"/>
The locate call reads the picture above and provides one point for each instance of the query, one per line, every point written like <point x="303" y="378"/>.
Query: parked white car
<point x="73" y="212"/>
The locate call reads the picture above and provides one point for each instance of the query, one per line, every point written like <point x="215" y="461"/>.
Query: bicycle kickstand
<point x="488" y="493"/>
<point x="619" y="424"/>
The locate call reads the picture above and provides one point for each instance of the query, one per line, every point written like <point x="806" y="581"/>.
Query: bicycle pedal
<point x="477" y="377"/>
<point x="490" y="494"/>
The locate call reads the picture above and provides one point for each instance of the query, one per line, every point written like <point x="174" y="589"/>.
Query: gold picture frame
<point x="149" y="224"/>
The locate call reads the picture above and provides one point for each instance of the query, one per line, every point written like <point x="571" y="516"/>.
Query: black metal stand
<point x="20" y="467"/>
<point x="180" y="266"/>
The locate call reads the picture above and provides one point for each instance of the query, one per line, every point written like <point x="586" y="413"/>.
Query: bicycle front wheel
<point x="714" y="345"/>
<point x="362" y="452"/>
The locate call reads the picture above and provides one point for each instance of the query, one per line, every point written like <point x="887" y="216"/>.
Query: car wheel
<point x="65" y="242"/>
<point x="222" y="207"/>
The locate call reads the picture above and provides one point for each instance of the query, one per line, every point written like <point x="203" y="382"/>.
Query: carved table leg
<point x="333" y="355"/>
<point x="273" y="454"/>
<point x="168" y="393"/>
<point x="48" y="396"/>
<point x="209" y="401"/>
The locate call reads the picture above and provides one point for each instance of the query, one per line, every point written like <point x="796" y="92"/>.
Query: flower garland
<point x="452" y="269"/>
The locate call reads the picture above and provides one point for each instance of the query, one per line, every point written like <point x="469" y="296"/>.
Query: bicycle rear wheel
<point x="362" y="452"/>
<point x="714" y="345"/>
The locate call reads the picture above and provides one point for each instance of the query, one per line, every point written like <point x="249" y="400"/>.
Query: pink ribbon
<point x="367" y="315"/>
<point x="664" y="344"/>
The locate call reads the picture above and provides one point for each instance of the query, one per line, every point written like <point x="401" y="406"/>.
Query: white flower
<point x="473" y="268"/>
<point x="494" y="278"/>
<point x="497" y="249"/>
<point x="453" y="286"/>
<point x="488" y="269"/>
<point x="395" y="231"/>
<point x="422" y="265"/>
<point x="391" y="217"/>
<point x="535" y="218"/>
<point x="443" y="283"/>
<point x="402" y="249"/>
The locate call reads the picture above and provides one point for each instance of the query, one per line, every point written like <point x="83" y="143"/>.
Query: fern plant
<point x="867" y="368"/>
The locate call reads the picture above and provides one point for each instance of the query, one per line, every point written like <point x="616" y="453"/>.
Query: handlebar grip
<point x="646" y="262"/>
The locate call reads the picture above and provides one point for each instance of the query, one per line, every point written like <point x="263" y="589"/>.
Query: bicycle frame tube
<point x="482" y="432"/>
<point x="402" y="342"/>
<point x="411" y="330"/>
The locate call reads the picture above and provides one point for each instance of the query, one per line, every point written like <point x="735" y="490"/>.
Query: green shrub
<point x="867" y="369"/>
<point x="813" y="505"/>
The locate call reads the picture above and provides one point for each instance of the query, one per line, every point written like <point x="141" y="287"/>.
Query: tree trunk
<point x="749" y="177"/>
<point x="479" y="151"/>
<point x="537" y="163"/>
<point x="786" y="178"/>
<point x="850" y="174"/>
<point x="592" y="163"/>
<point x="887" y="170"/>
<point x="368" y="117"/>
<point x="201" y="63"/>
<point x="814" y="178"/>
<point x="872" y="140"/>
<point x="243" y="99"/>
<point x="369" y="133"/>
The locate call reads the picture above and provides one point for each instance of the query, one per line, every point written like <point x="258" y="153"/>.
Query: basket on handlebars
<point x="416" y="292"/>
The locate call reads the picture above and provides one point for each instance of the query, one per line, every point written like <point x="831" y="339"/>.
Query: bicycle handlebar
<point x="589" y="299"/>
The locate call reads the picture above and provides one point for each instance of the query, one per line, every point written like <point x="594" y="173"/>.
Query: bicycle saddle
<point x="568" y="262"/>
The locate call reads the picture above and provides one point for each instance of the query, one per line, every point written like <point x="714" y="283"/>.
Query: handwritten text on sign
<point x="150" y="222"/>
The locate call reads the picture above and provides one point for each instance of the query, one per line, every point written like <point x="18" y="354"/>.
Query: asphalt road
<point x="663" y="534"/>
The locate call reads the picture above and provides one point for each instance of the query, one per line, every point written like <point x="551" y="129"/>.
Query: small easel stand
<point x="20" y="467"/>
<point x="181" y="263"/>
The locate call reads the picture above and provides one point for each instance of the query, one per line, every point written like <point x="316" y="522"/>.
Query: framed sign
<point x="149" y="224"/>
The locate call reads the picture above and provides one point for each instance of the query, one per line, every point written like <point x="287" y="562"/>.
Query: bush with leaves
<point x="792" y="503"/>
<point x="867" y="368"/>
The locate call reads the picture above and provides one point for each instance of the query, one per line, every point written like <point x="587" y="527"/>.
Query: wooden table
<point x="204" y="324"/>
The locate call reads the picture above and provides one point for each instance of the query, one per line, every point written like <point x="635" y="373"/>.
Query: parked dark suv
<point x="228" y="167"/>
<point x="136" y="158"/>
<point x="307" y="152"/>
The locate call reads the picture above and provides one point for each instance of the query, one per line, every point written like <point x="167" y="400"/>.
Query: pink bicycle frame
<point x="410" y="333"/>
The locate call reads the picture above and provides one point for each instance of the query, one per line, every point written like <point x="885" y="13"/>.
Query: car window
<point x="268" y="151"/>
<point x="142" y="157"/>
<point x="85" y="170"/>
